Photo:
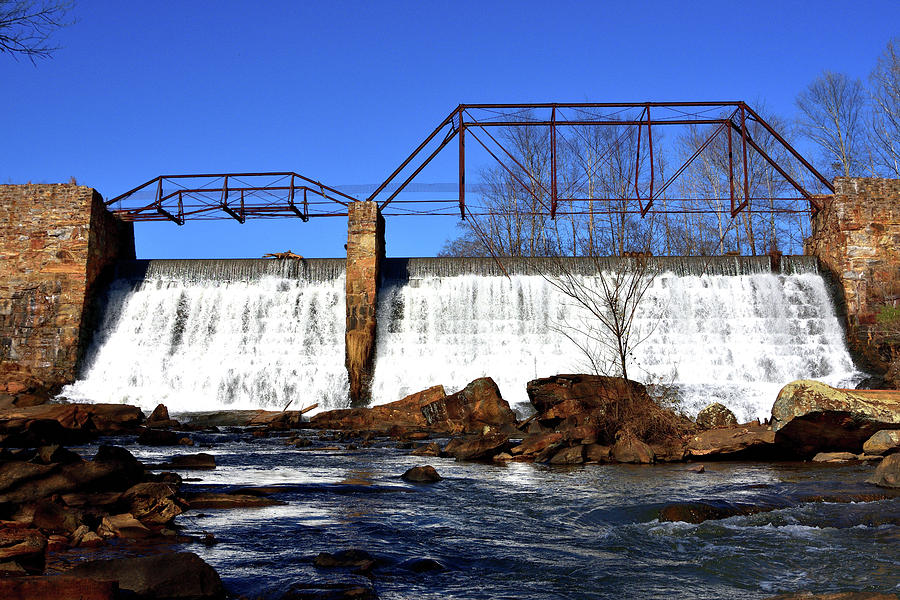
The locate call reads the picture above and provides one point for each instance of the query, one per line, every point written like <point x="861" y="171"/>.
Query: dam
<point x="216" y="334"/>
<point x="82" y="319"/>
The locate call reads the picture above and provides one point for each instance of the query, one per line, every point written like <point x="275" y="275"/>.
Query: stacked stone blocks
<point x="56" y="243"/>
<point x="365" y="251"/>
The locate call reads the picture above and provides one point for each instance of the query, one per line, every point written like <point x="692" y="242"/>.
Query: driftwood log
<point x="283" y="255"/>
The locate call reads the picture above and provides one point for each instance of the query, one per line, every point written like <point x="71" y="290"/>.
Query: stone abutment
<point x="57" y="244"/>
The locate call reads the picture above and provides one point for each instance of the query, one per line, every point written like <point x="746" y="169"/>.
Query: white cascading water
<point x="734" y="339"/>
<point x="212" y="335"/>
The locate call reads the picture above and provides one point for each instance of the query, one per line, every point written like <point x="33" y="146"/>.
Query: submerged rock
<point x="810" y="417"/>
<point x="216" y="500"/>
<point x="330" y="591"/>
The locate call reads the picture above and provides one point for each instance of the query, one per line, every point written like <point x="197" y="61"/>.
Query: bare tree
<point x="832" y="111"/>
<point x="604" y="307"/>
<point x="885" y="92"/>
<point x="26" y="26"/>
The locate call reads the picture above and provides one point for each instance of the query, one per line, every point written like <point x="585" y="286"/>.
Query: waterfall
<point x="205" y="335"/>
<point x="730" y="332"/>
<point x="215" y="334"/>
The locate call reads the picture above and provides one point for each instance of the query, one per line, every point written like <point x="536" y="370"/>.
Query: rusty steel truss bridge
<point x="730" y="144"/>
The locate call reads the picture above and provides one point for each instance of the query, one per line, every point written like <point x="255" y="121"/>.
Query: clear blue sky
<point x="342" y="91"/>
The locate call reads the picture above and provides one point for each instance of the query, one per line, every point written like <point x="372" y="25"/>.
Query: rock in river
<point x="888" y="472"/>
<point x="810" y="417"/>
<point x="423" y="474"/>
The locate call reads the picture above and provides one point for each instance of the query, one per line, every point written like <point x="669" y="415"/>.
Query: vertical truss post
<point x="553" y="190"/>
<point x="650" y="147"/>
<point x="637" y="162"/>
<point x="730" y="169"/>
<point x="746" y="163"/>
<point x="462" y="167"/>
<point x="305" y="206"/>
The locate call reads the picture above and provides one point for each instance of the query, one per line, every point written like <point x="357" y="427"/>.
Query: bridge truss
<point x="722" y="158"/>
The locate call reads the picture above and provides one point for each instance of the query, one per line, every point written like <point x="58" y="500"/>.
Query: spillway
<point x="712" y="330"/>
<point x="214" y="334"/>
<point x="220" y="334"/>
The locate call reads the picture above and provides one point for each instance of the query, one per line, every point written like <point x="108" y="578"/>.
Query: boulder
<point x="112" y="469"/>
<point x="714" y="416"/>
<point x="57" y="587"/>
<point x="160" y="413"/>
<point x="57" y="454"/>
<point x="405" y="413"/>
<point x="432" y="449"/>
<point x="888" y="472"/>
<point x="201" y="461"/>
<point x="476" y="447"/>
<point x="423" y="474"/>
<point x="629" y="449"/>
<point x="750" y="441"/>
<point x="810" y="417"/>
<point x="883" y="442"/>
<point x="53" y="517"/>
<point x="159" y="418"/>
<point x="539" y="444"/>
<point x="569" y="456"/>
<point x="158" y="437"/>
<point x="476" y="408"/>
<point x="13" y="473"/>
<point x="152" y="503"/>
<point x="593" y="409"/>
<point x="24" y="547"/>
<point x="597" y="453"/>
<point x="122" y="526"/>
<point x="96" y="418"/>
<point x="171" y="575"/>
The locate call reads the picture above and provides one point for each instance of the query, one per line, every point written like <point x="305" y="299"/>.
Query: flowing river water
<point x="529" y="531"/>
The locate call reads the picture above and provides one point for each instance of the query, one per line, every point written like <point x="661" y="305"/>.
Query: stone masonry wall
<point x="856" y="237"/>
<point x="365" y="250"/>
<point x="56" y="244"/>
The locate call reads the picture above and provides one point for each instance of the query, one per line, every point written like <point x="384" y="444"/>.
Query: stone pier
<point x="856" y="237"/>
<point x="57" y="244"/>
<point x="365" y="251"/>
